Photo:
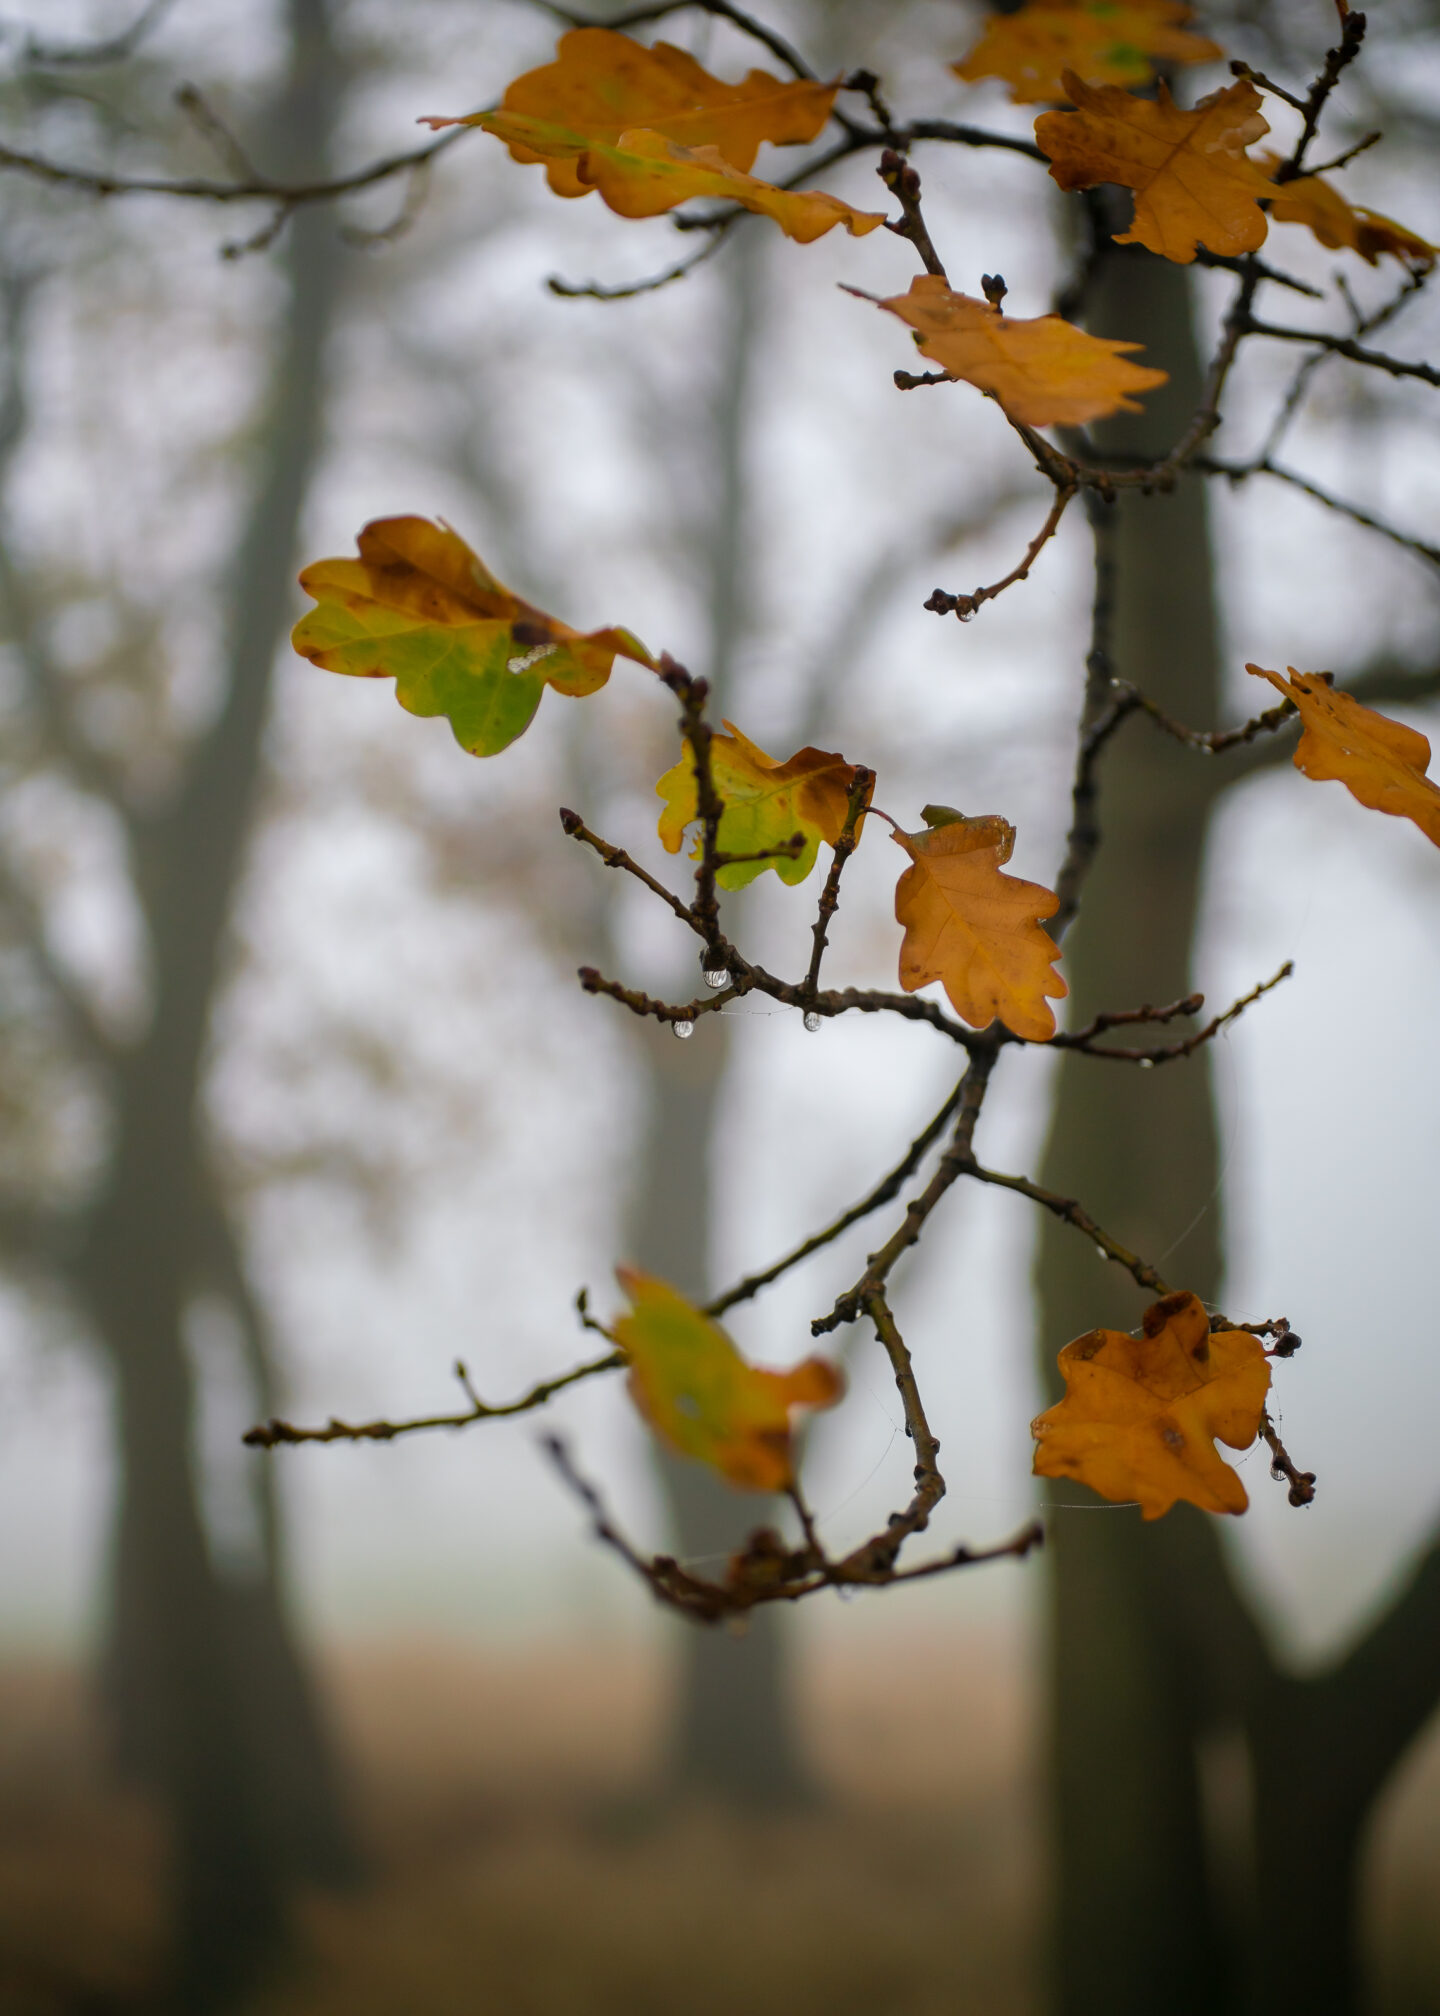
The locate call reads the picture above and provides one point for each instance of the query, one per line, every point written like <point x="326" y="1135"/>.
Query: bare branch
<point x="1074" y="1213"/>
<point x="1169" y="1052"/>
<point x="965" y="606"/>
<point x="845" y="846"/>
<point x="957" y="1160"/>
<point x="269" y="1433"/>
<point x="884" y="1191"/>
<point x="95" y="55"/>
<point x="1301" y="1482"/>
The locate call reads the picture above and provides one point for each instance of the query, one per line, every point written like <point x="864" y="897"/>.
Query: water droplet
<point x="1147" y="1063"/>
<point x="715" y="976"/>
<point x="682" y="1029"/>
<point x="812" y="1020"/>
<point x="1101" y="1251"/>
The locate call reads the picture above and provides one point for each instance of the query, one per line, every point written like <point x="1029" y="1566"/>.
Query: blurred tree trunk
<point x="1133" y="1904"/>
<point x="734" y="1734"/>
<point x="1153" y="1651"/>
<point x="210" y="1701"/>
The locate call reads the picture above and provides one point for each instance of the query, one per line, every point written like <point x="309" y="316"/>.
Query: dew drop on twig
<point x="812" y="1020"/>
<point x="715" y="976"/>
<point x="683" y="1028"/>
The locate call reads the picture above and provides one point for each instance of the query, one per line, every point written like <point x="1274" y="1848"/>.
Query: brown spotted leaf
<point x="1141" y="1415"/>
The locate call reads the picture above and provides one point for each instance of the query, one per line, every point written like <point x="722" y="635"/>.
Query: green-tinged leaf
<point x="420" y="608"/>
<point x="766" y="803"/>
<point x="642" y="174"/>
<point x="703" y="1398"/>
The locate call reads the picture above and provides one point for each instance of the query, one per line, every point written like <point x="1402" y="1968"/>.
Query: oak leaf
<point x="703" y="1398"/>
<point x="1194" y="183"/>
<point x="1102" y="41"/>
<point x="1337" y="223"/>
<point x="603" y="84"/>
<point x="1379" y="761"/>
<point x="975" y="928"/>
<point x="642" y="174"/>
<point x="766" y="802"/>
<point x="418" y="606"/>
<point x="1141" y="1415"/>
<point x="1044" y="371"/>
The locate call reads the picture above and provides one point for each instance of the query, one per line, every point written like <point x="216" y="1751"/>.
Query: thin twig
<point x="965" y="606"/>
<point x="95" y="55"/>
<point x="94" y="182"/>
<point x="1302" y="1482"/>
<point x="1346" y="346"/>
<point x="1119" y="1018"/>
<point x="1101" y="712"/>
<point x="1210" y="742"/>
<point x="269" y="1433"/>
<point x="627" y="290"/>
<point x="1074" y="1213"/>
<point x="1241" y="472"/>
<point x="769" y="38"/>
<point x="953" y="1164"/>
<point x="1168" y="1053"/>
<point x="616" y="857"/>
<point x="845" y="846"/>
<point x="885" y="1190"/>
<point x="903" y="182"/>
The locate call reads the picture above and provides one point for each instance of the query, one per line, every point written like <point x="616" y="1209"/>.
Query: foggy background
<point x="426" y="1135"/>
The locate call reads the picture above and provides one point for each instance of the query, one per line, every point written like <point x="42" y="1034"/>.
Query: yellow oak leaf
<point x="766" y="802"/>
<point x="703" y="1398"/>
<point x="603" y="84"/>
<point x="420" y="608"/>
<point x="1141" y="1415"/>
<point x="1102" y="41"/>
<point x="1379" y="761"/>
<point x="1316" y="203"/>
<point x="642" y="174"/>
<point x="1194" y="183"/>
<point x="1044" y="371"/>
<point x="976" y="929"/>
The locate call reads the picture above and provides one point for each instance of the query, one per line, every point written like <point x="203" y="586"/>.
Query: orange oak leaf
<point x="703" y="1398"/>
<point x="1044" y="372"/>
<point x="642" y="174"/>
<point x="1194" y="183"/>
<point x="974" y="928"/>
<point x="1379" y="761"/>
<point x="1141" y="1415"/>
<point x="420" y="608"/>
<point x="765" y="803"/>
<point x="1102" y="41"/>
<point x="603" y="84"/>
<point x="1316" y="203"/>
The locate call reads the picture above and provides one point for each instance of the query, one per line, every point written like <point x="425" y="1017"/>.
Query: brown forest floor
<point x="518" y="1869"/>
